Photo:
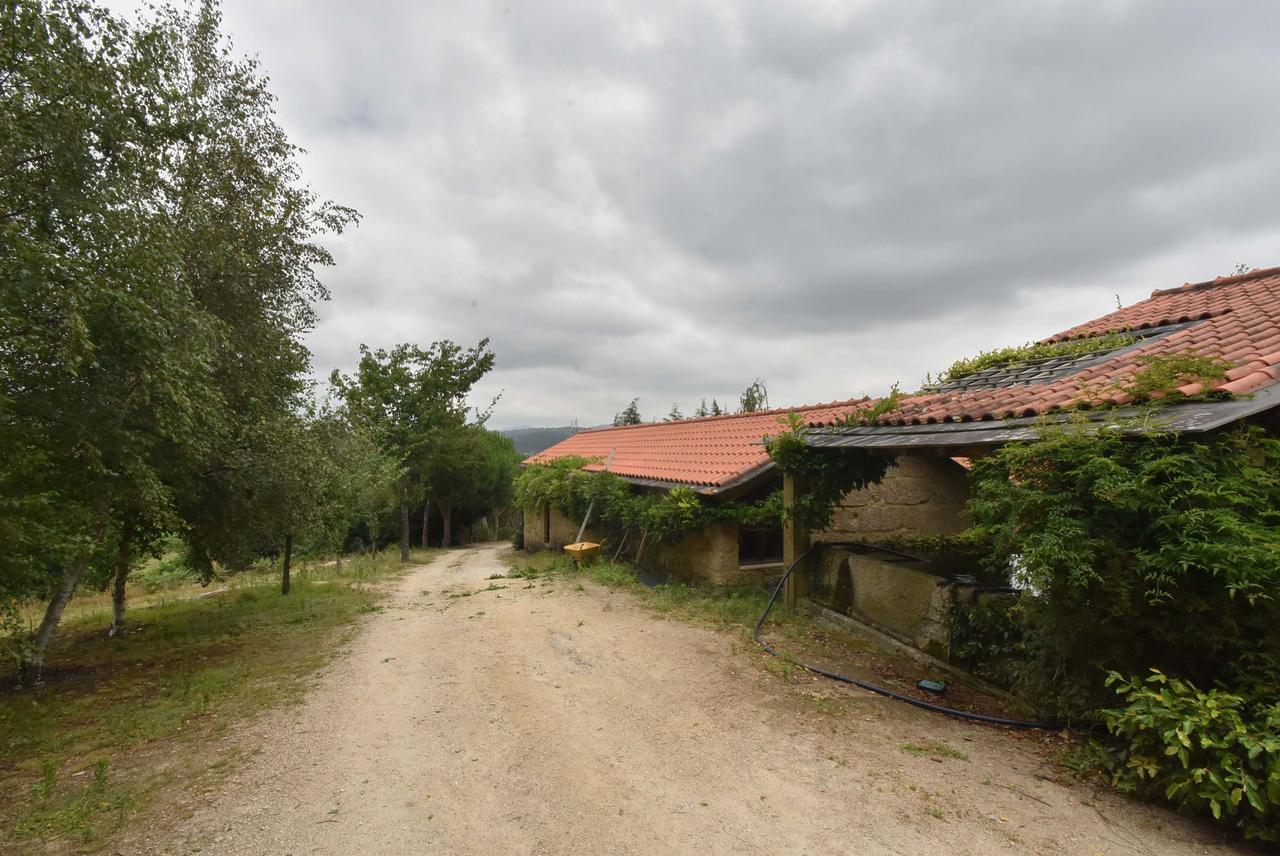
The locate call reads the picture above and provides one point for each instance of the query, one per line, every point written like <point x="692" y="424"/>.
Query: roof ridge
<point x="1256" y="273"/>
<point x="801" y="408"/>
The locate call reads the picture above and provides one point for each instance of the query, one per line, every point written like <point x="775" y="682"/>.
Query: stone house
<point x="724" y="458"/>
<point x="931" y="435"/>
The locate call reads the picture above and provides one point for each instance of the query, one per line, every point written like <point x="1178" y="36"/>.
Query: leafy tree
<point x="473" y="470"/>
<point x="754" y="398"/>
<point x="675" y="415"/>
<point x="158" y="256"/>
<point x="414" y="398"/>
<point x="630" y="415"/>
<point x="106" y="356"/>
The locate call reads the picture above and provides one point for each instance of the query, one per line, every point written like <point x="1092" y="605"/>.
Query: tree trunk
<point x="446" y="512"/>
<point x="121" y="577"/>
<point x="426" y="519"/>
<point x="34" y="663"/>
<point x="286" y="564"/>
<point x="404" y="531"/>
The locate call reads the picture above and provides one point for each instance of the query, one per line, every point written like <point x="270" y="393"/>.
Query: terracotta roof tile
<point x="709" y="452"/>
<point x="1235" y="319"/>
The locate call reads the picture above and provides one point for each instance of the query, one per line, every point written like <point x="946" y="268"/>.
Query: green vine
<point x="565" y="486"/>
<point x="827" y="476"/>
<point x="1030" y="352"/>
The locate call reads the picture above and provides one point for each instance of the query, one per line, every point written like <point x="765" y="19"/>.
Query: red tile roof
<point x="1236" y="320"/>
<point x="708" y="453"/>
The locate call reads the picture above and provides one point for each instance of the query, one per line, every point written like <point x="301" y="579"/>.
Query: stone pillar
<point x="795" y="541"/>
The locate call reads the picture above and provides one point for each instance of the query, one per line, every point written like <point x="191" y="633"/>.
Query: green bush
<point x="1209" y="752"/>
<point x="1138" y="552"/>
<point x="988" y="637"/>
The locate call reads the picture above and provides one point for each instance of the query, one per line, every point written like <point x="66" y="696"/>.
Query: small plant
<point x="784" y="667"/>
<point x="1022" y="354"/>
<point x="884" y="406"/>
<point x="100" y="770"/>
<point x="43" y="789"/>
<point x="1208" y="752"/>
<point x="933" y="749"/>
<point x="1163" y="374"/>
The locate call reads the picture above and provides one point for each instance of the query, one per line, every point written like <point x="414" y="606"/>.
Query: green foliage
<point x="754" y="398"/>
<point x="883" y="407"/>
<point x="630" y="415"/>
<point x="1213" y="752"/>
<point x="1139" y="552"/>
<point x="565" y="486"/>
<point x="989" y="638"/>
<point x="158" y="250"/>
<point x="824" y="476"/>
<point x="1162" y="374"/>
<point x="472" y="468"/>
<point x="1031" y="351"/>
<point x="675" y="415"/>
<point x="414" y="400"/>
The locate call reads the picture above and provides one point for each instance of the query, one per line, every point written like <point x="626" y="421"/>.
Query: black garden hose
<point x="884" y="691"/>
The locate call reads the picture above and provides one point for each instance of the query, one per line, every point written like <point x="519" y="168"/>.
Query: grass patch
<point x="119" y="720"/>
<point x="727" y="607"/>
<point x="933" y="749"/>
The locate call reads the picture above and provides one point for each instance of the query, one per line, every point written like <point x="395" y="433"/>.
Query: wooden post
<point x="592" y="505"/>
<point x="795" y="540"/>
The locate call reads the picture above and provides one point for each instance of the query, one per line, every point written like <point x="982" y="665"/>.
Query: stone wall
<point x="707" y="556"/>
<point x="563" y="531"/>
<point x="919" y="496"/>
<point x="901" y="599"/>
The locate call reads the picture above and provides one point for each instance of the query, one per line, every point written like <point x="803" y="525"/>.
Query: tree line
<point x="754" y="399"/>
<point x="159" y="254"/>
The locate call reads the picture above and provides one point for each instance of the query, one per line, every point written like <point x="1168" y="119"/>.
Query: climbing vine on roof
<point x="1030" y="352"/>
<point x="568" y="487"/>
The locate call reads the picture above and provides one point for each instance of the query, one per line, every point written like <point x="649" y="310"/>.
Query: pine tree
<point x="715" y="408"/>
<point x="702" y="409"/>
<point x="629" y="416"/>
<point x="675" y="415"/>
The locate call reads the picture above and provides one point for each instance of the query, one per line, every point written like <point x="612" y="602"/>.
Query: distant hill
<point x="531" y="441"/>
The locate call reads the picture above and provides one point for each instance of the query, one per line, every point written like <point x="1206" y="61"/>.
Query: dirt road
<point x="541" y="718"/>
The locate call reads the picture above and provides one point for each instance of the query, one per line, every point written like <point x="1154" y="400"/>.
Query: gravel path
<point x="545" y="718"/>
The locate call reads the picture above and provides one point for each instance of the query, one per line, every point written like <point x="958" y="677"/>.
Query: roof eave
<point x="1189" y="418"/>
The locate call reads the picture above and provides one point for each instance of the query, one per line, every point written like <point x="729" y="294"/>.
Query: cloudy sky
<point x="669" y="199"/>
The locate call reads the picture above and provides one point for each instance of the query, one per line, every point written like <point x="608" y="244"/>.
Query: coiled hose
<point x="884" y="691"/>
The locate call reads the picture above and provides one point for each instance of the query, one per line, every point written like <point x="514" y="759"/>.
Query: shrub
<point x="1143" y="552"/>
<point x="1209" y="752"/>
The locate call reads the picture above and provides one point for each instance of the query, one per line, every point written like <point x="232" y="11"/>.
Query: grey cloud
<point x="670" y="199"/>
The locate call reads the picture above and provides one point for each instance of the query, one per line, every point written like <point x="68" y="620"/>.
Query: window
<point x="759" y="545"/>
